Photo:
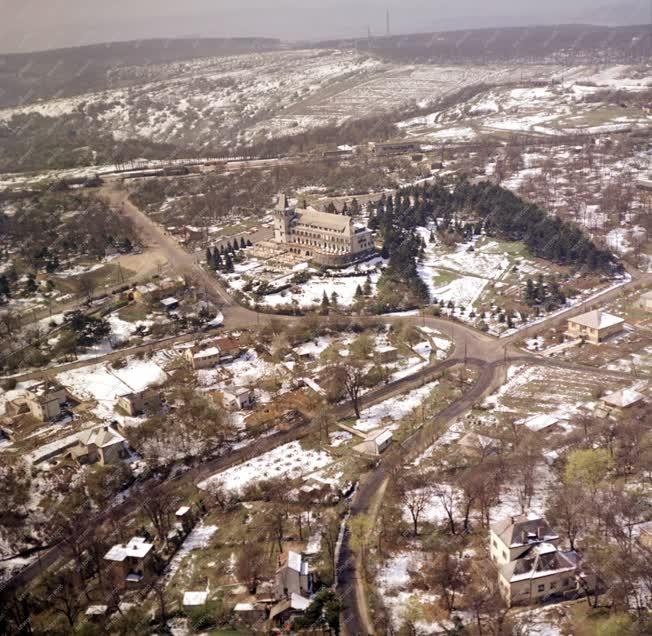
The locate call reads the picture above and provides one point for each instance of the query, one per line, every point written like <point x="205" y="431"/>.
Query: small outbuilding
<point x="170" y="303"/>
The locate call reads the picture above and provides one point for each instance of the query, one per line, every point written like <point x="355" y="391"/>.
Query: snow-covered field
<point x="289" y="461"/>
<point x="394" y="409"/>
<point x="559" y="108"/>
<point x="260" y="95"/>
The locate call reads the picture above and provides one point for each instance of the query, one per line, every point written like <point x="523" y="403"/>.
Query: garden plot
<point x="461" y="275"/>
<point x="395" y="587"/>
<point x="289" y="461"/>
<point x="105" y="384"/>
<point x="393" y="410"/>
<point x="640" y="362"/>
<point x="198" y="539"/>
<point x="548" y="110"/>
<point x="310" y="294"/>
<point x="562" y="393"/>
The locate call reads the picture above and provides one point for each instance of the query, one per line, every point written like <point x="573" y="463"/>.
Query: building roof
<point x="244" y="607"/>
<point x="299" y="602"/>
<point x="597" y="319"/>
<point x="101" y="436"/>
<point x="539" y="422"/>
<point x="207" y="353"/>
<point x="294" y="561"/>
<point x="522" y="530"/>
<point x="335" y="222"/>
<point x="385" y="349"/>
<point x="195" y="598"/>
<point x="478" y="441"/>
<point x="623" y="398"/>
<point x="540" y="560"/>
<point x="171" y="300"/>
<point x="137" y="548"/>
<point x="182" y="511"/>
<point x="96" y="610"/>
<point x="384" y="437"/>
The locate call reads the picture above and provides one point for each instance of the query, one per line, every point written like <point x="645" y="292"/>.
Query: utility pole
<point x="387" y="30"/>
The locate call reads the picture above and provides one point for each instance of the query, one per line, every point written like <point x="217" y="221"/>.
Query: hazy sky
<point x="41" y="24"/>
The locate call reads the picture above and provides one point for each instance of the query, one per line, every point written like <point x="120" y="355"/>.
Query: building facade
<point x="328" y="239"/>
<point x="531" y="568"/>
<point x="138" y="402"/>
<point x="44" y="401"/>
<point x="594" y="326"/>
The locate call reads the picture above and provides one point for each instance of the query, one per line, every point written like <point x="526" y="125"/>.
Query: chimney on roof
<point x="540" y="532"/>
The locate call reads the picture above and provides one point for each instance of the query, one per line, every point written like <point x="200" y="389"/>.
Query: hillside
<point x="25" y="77"/>
<point x="577" y="43"/>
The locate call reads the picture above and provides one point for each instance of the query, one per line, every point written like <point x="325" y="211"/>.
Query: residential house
<point x="293" y="576"/>
<point x="594" y="326"/>
<point x="131" y="564"/>
<point x="100" y="444"/>
<point x="645" y="301"/>
<point x="239" y="398"/>
<point x="249" y="613"/>
<point x="622" y="400"/>
<point x="139" y="402"/>
<point x="203" y="358"/>
<point x="531" y="568"/>
<point x="44" y="401"/>
<point x="284" y="611"/>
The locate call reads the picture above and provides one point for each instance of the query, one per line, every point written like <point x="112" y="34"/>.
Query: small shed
<point x="540" y="422"/>
<point x="194" y="599"/>
<point x="170" y="303"/>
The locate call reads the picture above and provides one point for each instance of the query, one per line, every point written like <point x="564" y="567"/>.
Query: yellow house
<point x="531" y="568"/>
<point x="594" y="326"/>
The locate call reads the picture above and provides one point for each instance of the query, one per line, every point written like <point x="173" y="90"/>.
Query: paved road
<point x="490" y="355"/>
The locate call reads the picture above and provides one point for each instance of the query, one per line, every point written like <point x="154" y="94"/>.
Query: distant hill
<point x="618" y="13"/>
<point x="573" y="43"/>
<point x="25" y="77"/>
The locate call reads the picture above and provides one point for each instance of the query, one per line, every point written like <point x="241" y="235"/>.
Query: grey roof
<point x="525" y="529"/>
<point x="336" y="222"/>
<point x="539" y="560"/>
<point x="597" y="319"/>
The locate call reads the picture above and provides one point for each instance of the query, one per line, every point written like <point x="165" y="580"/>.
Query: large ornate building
<point x="327" y="239"/>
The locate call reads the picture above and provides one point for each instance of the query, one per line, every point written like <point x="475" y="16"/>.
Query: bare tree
<point x="251" y="565"/>
<point x="329" y="535"/>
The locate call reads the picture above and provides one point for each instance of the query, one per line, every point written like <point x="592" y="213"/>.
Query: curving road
<point x="490" y="355"/>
